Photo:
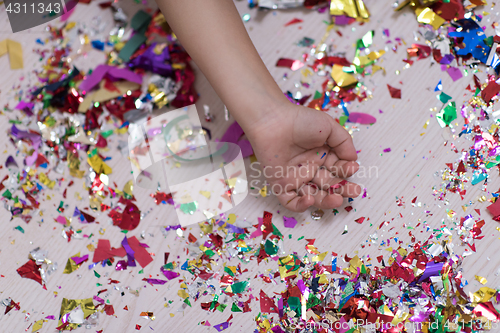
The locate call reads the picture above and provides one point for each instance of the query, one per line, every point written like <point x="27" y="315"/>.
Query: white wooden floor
<point x="408" y="171"/>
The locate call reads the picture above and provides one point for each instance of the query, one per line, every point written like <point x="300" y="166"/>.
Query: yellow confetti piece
<point x="182" y="294"/>
<point x="91" y="248"/>
<point x="98" y="165"/>
<point x="206" y="194"/>
<point x="37" y="325"/>
<point x="341" y="78"/>
<point x="70" y="26"/>
<point x="352" y="8"/>
<point x="71" y="266"/>
<point x="231" y="218"/>
<point x="428" y="16"/>
<point x="481" y="279"/>
<point x="263" y="191"/>
<point x="46" y="181"/>
<point x="319" y="257"/>
<point x="483" y="295"/>
<point x="128" y="188"/>
<point x="69" y="305"/>
<point x="15" y="52"/>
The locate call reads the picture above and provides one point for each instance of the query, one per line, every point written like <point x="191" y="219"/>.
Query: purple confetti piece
<point x="130" y="252"/>
<point x="289" y="222"/>
<point x="79" y="260"/>
<point x="156" y="281"/>
<point x="222" y="326"/>
<point x="169" y="274"/>
<point x="387" y="150"/>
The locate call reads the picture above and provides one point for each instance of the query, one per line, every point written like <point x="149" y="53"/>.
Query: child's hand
<point x="304" y="153"/>
<point x="285" y="137"/>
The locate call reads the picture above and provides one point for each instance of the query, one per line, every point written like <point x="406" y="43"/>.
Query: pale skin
<point x="284" y="136"/>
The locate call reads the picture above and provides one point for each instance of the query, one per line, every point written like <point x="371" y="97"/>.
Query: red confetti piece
<point x="360" y="220"/>
<point x="30" y="270"/>
<point x="294" y="21"/>
<point x="395" y="93"/>
<point x="290" y="63"/>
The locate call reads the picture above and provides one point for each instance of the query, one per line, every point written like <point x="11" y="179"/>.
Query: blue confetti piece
<point x="97" y="44"/>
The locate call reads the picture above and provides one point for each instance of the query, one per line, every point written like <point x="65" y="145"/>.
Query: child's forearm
<point x="214" y="36"/>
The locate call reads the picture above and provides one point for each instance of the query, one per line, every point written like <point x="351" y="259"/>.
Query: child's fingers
<point x="322" y="199"/>
<point x="329" y="182"/>
<point x="343" y="169"/>
<point x="341" y="142"/>
<point x="294" y="202"/>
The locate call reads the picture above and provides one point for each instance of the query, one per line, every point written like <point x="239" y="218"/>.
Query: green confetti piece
<point x="239" y="287"/>
<point x="124" y="231"/>
<point x="7" y="194"/>
<point x="342" y="120"/>
<point x="141" y="271"/>
<point x="447" y="114"/>
<point x="301" y="237"/>
<point x="169" y="266"/>
<point x="276" y="231"/>
<point x="187" y="301"/>
<point x="19" y="228"/>
<point x="131" y="46"/>
<point x="106" y="134"/>
<point x="97" y="275"/>
<point x="221" y="307"/>
<point x="189" y="208"/>
<point x="92" y="152"/>
<point x="293" y="302"/>
<point x="317" y="95"/>
<point x="235" y="308"/>
<point x="140" y="21"/>
<point x="271" y="248"/>
<point x="98" y="285"/>
<point x="210" y="253"/>
<point x="13" y="121"/>
<point x="444" y="98"/>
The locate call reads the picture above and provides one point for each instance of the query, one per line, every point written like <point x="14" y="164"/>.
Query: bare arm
<point x="213" y="34"/>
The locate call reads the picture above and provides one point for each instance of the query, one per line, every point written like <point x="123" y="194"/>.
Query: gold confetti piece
<point x="37" y="325"/>
<point x="428" y="16"/>
<point x="263" y="191"/>
<point x="128" y="188"/>
<point x="15" y="52"/>
<point x="68" y="305"/>
<point x="98" y="165"/>
<point x="46" y="181"/>
<point x="319" y="257"/>
<point x="71" y="266"/>
<point x="483" y="295"/>
<point x="182" y="294"/>
<point x="172" y="315"/>
<point x="341" y="78"/>
<point x="206" y="194"/>
<point x="231" y="218"/>
<point x="481" y="279"/>
<point x="352" y="8"/>
<point x="91" y="248"/>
